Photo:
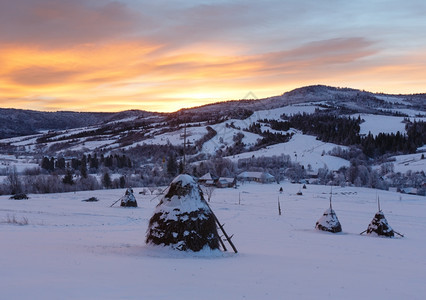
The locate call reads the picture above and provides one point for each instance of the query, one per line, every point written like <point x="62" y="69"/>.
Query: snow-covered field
<point x="382" y="124"/>
<point x="87" y="250"/>
<point x="8" y="162"/>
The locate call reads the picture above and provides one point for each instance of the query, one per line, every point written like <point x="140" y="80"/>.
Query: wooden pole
<point x="184" y="148"/>
<point x="401" y="235"/>
<point x="228" y="238"/>
<point x="279" y="206"/>
<point x="378" y="203"/>
<point x="115" y="202"/>
<point x="363" y="232"/>
<point x="223" y="244"/>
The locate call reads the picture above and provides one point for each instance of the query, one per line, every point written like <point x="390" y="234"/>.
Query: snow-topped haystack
<point x="329" y="222"/>
<point x="128" y="200"/>
<point x="379" y="226"/>
<point x="183" y="220"/>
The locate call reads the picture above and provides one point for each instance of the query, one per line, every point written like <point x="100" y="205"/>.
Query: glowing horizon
<point x="113" y="56"/>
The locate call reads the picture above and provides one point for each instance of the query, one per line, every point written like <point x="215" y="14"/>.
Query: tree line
<point x="85" y="164"/>
<point x="341" y="130"/>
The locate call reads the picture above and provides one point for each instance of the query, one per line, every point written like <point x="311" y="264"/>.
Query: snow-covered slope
<point x="304" y="149"/>
<point x="86" y="250"/>
<point x="229" y="121"/>
<point x="383" y="124"/>
<point x="413" y="162"/>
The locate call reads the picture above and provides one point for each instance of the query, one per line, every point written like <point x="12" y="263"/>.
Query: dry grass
<point x="15" y="221"/>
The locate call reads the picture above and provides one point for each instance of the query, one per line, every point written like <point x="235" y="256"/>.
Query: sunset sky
<point x="99" y="55"/>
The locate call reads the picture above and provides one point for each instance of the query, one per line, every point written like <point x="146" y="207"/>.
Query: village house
<point x="222" y="182"/>
<point x="262" y="177"/>
<point x="207" y="180"/>
<point x="226" y="182"/>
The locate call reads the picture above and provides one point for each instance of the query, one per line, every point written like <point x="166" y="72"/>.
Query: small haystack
<point x="379" y="226"/>
<point x="20" y="196"/>
<point x="329" y="221"/>
<point x="91" y="199"/>
<point x="128" y="200"/>
<point x="183" y="219"/>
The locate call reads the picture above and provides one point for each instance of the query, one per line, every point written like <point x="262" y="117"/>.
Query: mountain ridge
<point x="20" y="122"/>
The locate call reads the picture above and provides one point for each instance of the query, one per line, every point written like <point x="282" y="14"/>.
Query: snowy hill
<point x="298" y="125"/>
<point x="17" y="122"/>
<point x="304" y="149"/>
<point x="128" y="129"/>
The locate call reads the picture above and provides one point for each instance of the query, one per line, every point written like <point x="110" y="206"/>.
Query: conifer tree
<point x="68" y="178"/>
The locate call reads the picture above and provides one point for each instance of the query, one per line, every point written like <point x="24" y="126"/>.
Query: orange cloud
<point x="138" y="75"/>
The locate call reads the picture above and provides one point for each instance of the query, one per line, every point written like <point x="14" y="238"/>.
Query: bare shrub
<point x="15" y="221"/>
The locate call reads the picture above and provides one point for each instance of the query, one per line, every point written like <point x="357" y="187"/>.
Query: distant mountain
<point x="17" y="122"/>
<point x="346" y="97"/>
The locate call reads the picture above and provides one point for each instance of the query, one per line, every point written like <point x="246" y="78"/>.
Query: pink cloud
<point x="52" y="23"/>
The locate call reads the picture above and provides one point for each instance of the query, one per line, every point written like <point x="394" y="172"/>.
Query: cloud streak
<point x="52" y="24"/>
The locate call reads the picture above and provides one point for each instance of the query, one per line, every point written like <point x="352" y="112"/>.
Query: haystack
<point x="183" y="220"/>
<point x="128" y="200"/>
<point x="379" y="226"/>
<point x="329" y="221"/>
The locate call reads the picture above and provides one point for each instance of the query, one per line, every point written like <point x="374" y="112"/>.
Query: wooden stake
<point x="279" y="207"/>
<point x="115" y="202"/>
<point x="184" y="147"/>
<point x="223" y="244"/>
<point x="378" y="203"/>
<point x="228" y="239"/>
<point x="401" y="235"/>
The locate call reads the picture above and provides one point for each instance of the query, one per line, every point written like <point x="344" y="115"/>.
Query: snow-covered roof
<point x="226" y="180"/>
<point x="259" y="175"/>
<point x="409" y="190"/>
<point x="206" y="176"/>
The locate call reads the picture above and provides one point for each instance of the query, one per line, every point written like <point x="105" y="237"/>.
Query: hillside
<point x="17" y="122"/>
<point x="338" y="136"/>
<point x="118" y="130"/>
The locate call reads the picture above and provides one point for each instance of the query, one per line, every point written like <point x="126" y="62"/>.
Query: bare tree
<point x="152" y="189"/>
<point x="12" y="180"/>
<point x="208" y="190"/>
